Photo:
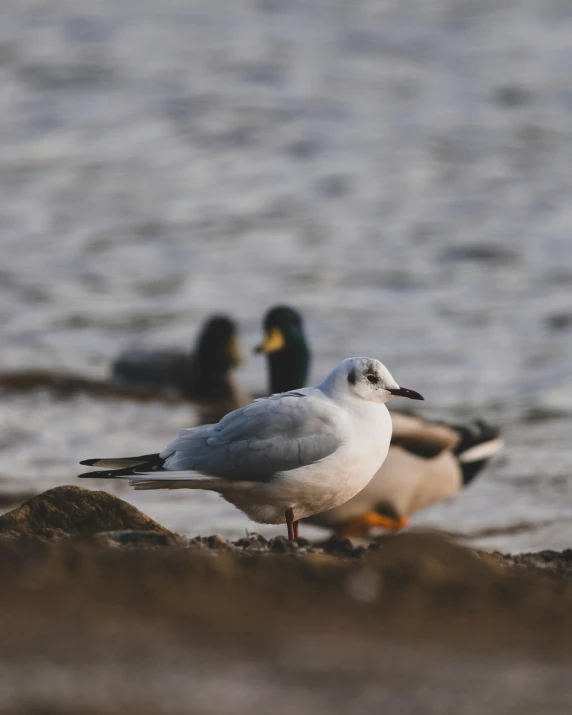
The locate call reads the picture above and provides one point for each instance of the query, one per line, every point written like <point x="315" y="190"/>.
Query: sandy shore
<point x="132" y="621"/>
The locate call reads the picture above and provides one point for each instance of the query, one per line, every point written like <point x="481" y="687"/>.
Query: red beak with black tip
<point x="404" y="392"/>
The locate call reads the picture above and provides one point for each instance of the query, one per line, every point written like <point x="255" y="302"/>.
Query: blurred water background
<point x="399" y="171"/>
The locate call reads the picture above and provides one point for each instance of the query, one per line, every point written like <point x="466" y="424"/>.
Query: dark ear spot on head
<point x="352" y="377"/>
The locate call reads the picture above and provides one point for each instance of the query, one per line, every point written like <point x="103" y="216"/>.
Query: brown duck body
<point x="426" y="463"/>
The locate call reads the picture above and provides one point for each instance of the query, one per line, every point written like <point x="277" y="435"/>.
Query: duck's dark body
<point x="203" y="377"/>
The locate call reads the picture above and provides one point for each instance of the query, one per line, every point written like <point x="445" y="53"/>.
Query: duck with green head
<point x="203" y="377"/>
<point x="286" y="349"/>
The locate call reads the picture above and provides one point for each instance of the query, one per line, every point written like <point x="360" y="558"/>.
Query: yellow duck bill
<point x="273" y="342"/>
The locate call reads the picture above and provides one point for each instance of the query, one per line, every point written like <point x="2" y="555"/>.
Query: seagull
<point x="410" y="481"/>
<point x="202" y="377"/>
<point x="284" y="457"/>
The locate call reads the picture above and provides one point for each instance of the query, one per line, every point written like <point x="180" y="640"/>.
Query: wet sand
<point x="418" y="625"/>
<point x="150" y="622"/>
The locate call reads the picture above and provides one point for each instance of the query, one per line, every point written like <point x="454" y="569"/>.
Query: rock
<point x="252" y="541"/>
<point x="198" y="541"/>
<point x="73" y="511"/>
<point x="555" y="563"/>
<point x="340" y="547"/>
<point x="303" y="543"/>
<point x="217" y="542"/>
<point x="281" y="545"/>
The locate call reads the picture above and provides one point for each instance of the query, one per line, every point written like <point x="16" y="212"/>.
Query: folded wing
<point x="251" y="444"/>
<point x="272" y="435"/>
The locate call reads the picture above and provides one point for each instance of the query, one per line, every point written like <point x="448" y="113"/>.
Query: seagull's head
<point x="368" y="379"/>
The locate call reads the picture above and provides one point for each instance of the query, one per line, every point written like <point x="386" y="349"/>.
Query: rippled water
<point x="398" y="170"/>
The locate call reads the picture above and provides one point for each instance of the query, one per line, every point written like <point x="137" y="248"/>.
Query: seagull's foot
<point x="363" y="524"/>
<point x="293" y="524"/>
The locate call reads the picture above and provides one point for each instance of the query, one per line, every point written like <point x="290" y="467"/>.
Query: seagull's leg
<point x="289" y="513"/>
<point x="295" y="527"/>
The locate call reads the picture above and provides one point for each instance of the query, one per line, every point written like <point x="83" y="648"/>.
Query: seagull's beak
<point x="273" y="341"/>
<point x="404" y="392"/>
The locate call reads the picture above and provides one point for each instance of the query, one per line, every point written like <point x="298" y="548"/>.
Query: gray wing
<point x="255" y="442"/>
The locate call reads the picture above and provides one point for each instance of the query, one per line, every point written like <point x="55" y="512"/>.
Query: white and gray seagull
<point x="284" y="457"/>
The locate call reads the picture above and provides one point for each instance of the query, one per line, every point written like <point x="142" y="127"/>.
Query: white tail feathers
<point x="167" y="482"/>
<point x="119" y="463"/>
<point x="186" y="480"/>
<point x="170" y="484"/>
<point x="482" y="451"/>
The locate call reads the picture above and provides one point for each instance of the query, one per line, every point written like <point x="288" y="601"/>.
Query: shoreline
<point x="141" y="620"/>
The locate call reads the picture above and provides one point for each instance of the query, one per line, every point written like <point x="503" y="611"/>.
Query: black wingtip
<point x="90" y="462"/>
<point x="106" y="474"/>
<point x="88" y="475"/>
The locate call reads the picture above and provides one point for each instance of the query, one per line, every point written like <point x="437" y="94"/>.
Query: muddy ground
<point x="144" y="621"/>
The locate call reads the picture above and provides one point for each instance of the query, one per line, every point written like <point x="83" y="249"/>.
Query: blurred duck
<point x="410" y="481"/>
<point x="203" y="377"/>
<point x="288" y="358"/>
<point x="422" y="437"/>
<point x="286" y="349"/>
<point x="427" y="461"/>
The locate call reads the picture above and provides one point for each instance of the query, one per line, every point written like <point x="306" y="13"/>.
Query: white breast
<point x="337" y="478"/>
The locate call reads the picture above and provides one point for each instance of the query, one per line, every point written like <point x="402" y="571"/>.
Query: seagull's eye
<point x="374" y="379"/>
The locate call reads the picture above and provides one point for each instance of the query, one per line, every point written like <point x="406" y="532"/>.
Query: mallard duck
<point x="286" y="349"/>
<point x="408" y="482"/>
<point x="422" y="437"/>
<point x="203" y="377"/>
